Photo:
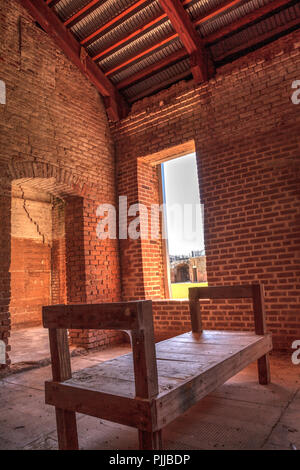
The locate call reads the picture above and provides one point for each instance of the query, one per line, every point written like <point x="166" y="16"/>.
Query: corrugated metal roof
<point x="158" y="78"/>
<point x="129" y="25"/>
<point x="229" y="17"/>
<point x="255" y="31"/>
<point x="165" y="51"/>
<point x="106" y="12"/>
<point x="137" y="46"/>
<point x="145" y="13"/>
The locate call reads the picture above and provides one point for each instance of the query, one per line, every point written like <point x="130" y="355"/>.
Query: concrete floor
<point x="241" y="414"/>
<point x="29" y="345"/>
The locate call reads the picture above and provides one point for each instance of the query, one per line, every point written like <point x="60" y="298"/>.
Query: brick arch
<point x="50" y="178"/>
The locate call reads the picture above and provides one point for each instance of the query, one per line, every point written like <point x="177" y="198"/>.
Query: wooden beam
<point x="89" y="8"/>
<point x="113" y="21"/>
<point x="61" y="371"/>
<point x="130" y="36"/>
<point x="221" y="292"/>
<point x="217" y="11"/>
<point x="247" y="20"/>
<point x="147" y="71"/>
<point x="172" y="57"/>
<point x="66" y="41"/>
<point x="119" y="409"/>
<point x="52" y="3"/>
<point x="107" y="316"/>
<point x="258" y="41"/>
<point x="135" y="33"/>
<point x="191" y="40"/>
<point x="142" y="54"/>
<point x="207" y="40"/>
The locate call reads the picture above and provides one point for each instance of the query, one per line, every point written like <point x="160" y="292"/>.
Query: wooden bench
<point x="155" y="384"/>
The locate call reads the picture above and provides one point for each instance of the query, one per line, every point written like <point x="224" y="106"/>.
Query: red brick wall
<point x="55" y="127"/>
<point x="246" y="131"/>
<point x="58" y="253"/>
<point x="30" y="282"/>
<point x="172" y="317"/>
<point x="30" y="266"/>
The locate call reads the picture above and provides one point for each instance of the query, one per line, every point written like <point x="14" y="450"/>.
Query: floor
<point x="29" y="345"/>
<point x="241" y="414"/>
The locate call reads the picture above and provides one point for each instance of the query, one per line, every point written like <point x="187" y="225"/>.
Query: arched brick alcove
<point x="78" y="264"/>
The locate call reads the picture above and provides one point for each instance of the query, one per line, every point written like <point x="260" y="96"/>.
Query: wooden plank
<point x="263" y="362"/>
<point x="172" y="404"/>
<point x="66" y="429"/>
<point x="150" y="440"/>
<point x="41" y="12"/>
<point x="60" y="354"/>
<point x="119" y="409"/>
<point x="195" y="311"/>
<point x="107" y="316"/>
<point x="221" y="292"/>
<point x="61" y="370"/>
<point x="191" y="40"/>
<point x="241" y="340"/>
<point x="119" y="375"/>
<point x="144" y="356"/>
<point x="214" y="351"/>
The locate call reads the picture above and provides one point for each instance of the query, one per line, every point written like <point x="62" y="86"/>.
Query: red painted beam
<point x="130" y="36"/>
<point x="52" y="3"/>
<point x="114" y="20"/>
<point x="257" y="15"/>
<point x="247" y="20"/>
<point x="212" y="13"/>
<point x="89" y="8"/>
<point x="260" y="39"/>
<point x="66" y="41"/>
<point x="135" y="33"/>
<point x="142" y="54"/>
<point x="191" y="40"/>
<point x="218" y="35"/>
<point x="217" y="11"/>
<point x="147" y="71"/>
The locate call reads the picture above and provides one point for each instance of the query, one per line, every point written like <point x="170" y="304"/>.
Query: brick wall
<point x="246" y="132"/>
<point x="55" y="130"/>
<point x="30" y="267"/>
<point x="58" y="253"/>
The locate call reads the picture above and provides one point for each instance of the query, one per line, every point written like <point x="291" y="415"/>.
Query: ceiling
<point x="142" y="46"/>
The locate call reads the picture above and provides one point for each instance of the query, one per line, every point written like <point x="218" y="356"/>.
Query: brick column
<point x="92" y="268"/>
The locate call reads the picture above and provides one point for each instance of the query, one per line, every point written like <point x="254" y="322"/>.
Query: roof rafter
<point x="234" y="27"/>
<point x="253" y="43"/>
<point x="247" y="20"/>
<point x="188" y="35"/>
<point x="89" y="8"/>
<point x="52" y="3"/>
<point x="123" y="14"/>
<point x="135" y="33"/>
<point x="115" y="104"/>
<point x="157" y="66"/>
